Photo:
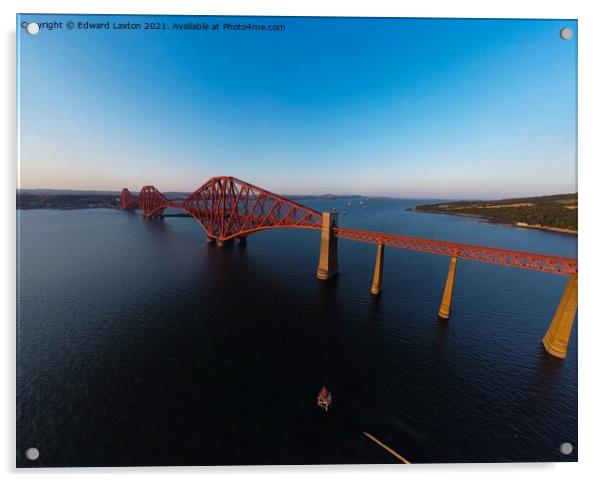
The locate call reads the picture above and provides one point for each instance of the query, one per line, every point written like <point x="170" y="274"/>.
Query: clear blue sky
<point x="397" y="107"/>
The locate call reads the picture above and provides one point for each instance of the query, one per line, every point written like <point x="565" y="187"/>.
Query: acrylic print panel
<point x="275" y="240"/>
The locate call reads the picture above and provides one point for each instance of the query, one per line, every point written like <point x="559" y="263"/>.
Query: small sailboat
<point x="349" y="204"/>
<point x="361" y="203"/>
<point x="324" y="399"/>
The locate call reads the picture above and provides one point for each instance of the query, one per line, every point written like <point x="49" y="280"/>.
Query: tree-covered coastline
<point x="554" y="212"/>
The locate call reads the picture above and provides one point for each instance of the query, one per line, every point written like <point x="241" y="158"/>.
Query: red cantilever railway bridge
<point x="228" y="208"/>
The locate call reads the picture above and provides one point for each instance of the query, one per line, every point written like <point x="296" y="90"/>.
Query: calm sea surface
<point x="140" y="344"/>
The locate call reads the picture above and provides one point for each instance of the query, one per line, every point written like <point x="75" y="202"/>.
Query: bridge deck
<point x="505" y="257"/>
<point x="227" y="208"/>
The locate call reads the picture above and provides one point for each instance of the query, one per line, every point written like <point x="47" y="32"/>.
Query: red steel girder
<point x="504" y="257"/>
<point x="152" y="202"/>
<point x="227" y="208"/>
<point x="127" y="200"/>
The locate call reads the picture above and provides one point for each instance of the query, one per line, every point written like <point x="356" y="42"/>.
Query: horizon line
<point x="293" y="195"/>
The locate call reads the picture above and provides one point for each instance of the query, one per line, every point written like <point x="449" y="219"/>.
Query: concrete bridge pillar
<point x="377" y="279"/>
<point x="223" y="244"/>
<point x="445" y="308"/>
<point x="242" y="240"/>
<point x="557" y="337"/>
<point x="328" y="266"/>
<point x="210" y="240"/>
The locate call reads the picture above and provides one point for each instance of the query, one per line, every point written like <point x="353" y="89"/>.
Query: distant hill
<point x="556" y="212"/>
<point x="82" y="192"/>
<point x="73" y="199"/>
<point x="59" y="192"/>
<point x="26" y="200"/>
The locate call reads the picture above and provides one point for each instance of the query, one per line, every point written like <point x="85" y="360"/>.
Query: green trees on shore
<point x="557" y="211"/>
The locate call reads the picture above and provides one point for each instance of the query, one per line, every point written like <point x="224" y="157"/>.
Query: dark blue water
<point x="140" y="344"/>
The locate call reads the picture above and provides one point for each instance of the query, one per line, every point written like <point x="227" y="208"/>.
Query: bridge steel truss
<point x="127" y="200"/>
<point x="228" y="208"/>
<point x="504" y="257"/>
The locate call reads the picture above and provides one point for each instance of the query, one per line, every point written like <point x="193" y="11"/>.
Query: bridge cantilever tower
<point x="152" y="202"/>
<point x="127" y="200"/>
<point x="228" y="208"/>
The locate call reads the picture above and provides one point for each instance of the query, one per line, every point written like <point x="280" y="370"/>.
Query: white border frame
<point x="590" y="85"/>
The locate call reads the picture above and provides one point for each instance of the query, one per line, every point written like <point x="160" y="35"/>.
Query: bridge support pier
<point x="377" y="279"/>
<point x="445" y="308"/>
<point x="223" y="244"/>
<point x="328" y="266"/>
<point x="556" y="339"/>
<point x="242" y="240"/>
<point x="210" y="240"/>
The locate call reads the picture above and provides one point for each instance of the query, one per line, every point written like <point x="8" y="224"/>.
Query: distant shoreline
<point x="497" y="221"/>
